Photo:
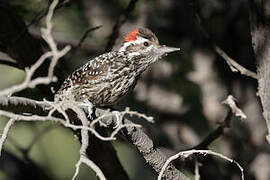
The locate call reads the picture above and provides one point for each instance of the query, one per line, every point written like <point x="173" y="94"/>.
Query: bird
<point x="107" y="78"/>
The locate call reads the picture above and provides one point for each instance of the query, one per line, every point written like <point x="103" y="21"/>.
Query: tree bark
<point x="260" y="33"/>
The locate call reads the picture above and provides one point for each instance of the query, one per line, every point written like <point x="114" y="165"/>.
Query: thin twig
<point x="185" y="154"/>
<point x="44" y="12"/>
<point x="230" y="101"/>
<point x="85" y="143"/>
<point x="86" y="34"/>
<point x="62" y="41"/>
<point x="121" y="20"/>
<point x="234" y="66"/>
<point x="215" y="134"/>
<point x="197" y="173"/>
<point x="89" y="163"/>
<point x="135" y="135"/>
<point x="55" y="55"/>
<point x="9" y="63"/>
<point x="27" y="81"/>
<point x="5" y="133"/>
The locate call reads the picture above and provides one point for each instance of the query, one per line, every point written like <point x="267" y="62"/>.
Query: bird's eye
<point x="146" y="44"/>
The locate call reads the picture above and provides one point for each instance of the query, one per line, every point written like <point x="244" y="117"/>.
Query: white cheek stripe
<point x="139" y="40"/>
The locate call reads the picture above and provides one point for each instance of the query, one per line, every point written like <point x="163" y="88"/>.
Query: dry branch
<point x="215" y="134"/>
<point x="153" y="156"/>
<point x="185" y="154"/>
<point x="234" y="66"/>
<point x="197" y="173"/>
<point x="4" y="135"/>
<point x="121" y="20"/>
<point x="86" y="34"/>
<point x="23" y="109"/>
<point x="230" y="101"/>
<point x="54" y="54"/>
<point x="9" y="63"/>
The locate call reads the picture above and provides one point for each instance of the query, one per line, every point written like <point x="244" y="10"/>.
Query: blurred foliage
<point x="172" y="21"/>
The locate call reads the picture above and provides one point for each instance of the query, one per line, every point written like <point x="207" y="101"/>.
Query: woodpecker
<point x="106" y="79"/>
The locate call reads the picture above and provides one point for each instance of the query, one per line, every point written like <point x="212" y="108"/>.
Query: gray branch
<point x="259" y="25"/>
<point x="153" y="156"/>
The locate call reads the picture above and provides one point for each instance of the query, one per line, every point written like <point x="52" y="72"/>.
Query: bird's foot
<point x="89" y="106"/>
<point x="119" y="119"/>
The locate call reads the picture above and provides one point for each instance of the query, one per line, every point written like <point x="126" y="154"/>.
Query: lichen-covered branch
<point x="54" y="54"/>
<point x="66" y="112"/>
<point x="153" y="156"/>
<point x="185" y="154"/>
<point x="4" y="135"/>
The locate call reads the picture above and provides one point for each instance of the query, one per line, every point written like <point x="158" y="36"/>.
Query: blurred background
<point x="183" y="92"/>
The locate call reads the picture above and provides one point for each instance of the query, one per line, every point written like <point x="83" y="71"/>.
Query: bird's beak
<point x="165" y="49"/>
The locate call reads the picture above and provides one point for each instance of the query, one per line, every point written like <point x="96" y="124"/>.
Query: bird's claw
<point x="118" y="119"/>
<point x="89" y="106"/>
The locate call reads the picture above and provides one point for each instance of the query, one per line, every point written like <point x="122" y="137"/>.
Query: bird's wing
<point x="95" y="69"/>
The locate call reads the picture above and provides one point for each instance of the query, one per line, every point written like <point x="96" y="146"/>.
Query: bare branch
<point x="27" y="81"/>
<point x="54" y="54"/>
<point x="9" y="63"/>
<point x="153" y="156"/>
<point x="230" y="101"/>
<point x="185" y="154"/>
<point x="85" y="143"/>
<point x="63" y="41"/>
<point x="197" y="173"/>
<point x="86" y="34"/>
<point x="84" y="128"/>
<point x="121" y="20"/>
<point x="44" y="12"/>
<point x="89" y="163"/>
<point x="5" y="133"/>
<point x="235" y="67"/>
<point x="215" y="134"/>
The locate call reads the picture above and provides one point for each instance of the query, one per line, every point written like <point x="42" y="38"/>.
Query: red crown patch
<point x="132" y="36"/>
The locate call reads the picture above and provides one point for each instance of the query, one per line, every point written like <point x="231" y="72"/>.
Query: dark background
<point x="183" y="91"/>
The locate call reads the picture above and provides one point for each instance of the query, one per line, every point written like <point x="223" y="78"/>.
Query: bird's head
<point x="142" y="42"/>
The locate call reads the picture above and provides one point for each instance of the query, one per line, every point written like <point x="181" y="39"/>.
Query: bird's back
<point x="103" y="80"/>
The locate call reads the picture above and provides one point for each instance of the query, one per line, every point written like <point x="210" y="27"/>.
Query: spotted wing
<point x="95" y="69"/>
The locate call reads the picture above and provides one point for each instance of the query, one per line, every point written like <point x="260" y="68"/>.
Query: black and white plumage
<point x="107" y="78"/>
